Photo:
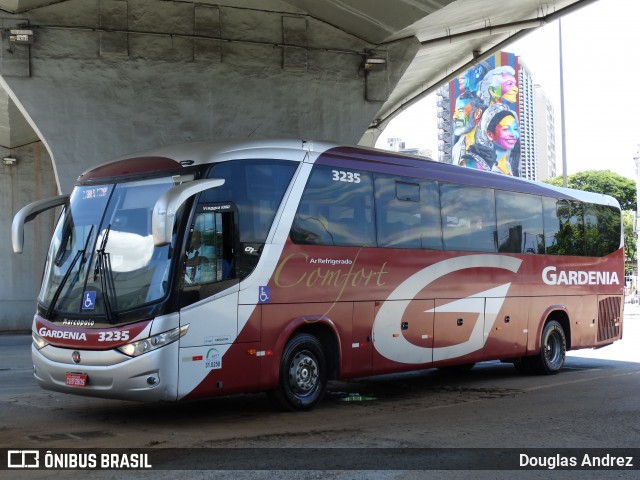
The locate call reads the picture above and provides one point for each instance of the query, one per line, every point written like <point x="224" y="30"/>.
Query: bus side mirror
<point x="164" y="211"/>
<point x="28" y="213"/>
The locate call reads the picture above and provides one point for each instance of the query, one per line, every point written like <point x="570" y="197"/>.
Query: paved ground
<point x="593" y="403"/>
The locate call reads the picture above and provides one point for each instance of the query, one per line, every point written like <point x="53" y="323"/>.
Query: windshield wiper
<point x="103" y="268"/>
<point x="100" y="251"/>
<point x="58" y="291"/>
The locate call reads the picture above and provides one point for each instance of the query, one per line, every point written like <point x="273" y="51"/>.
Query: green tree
<point x="630" y="246"/>
<point x="621" y="188"/>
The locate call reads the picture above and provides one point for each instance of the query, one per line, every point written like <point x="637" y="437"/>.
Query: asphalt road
<point x="592" y="404"/>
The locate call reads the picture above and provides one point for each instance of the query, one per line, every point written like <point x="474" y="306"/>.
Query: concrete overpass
<point x="88" y="80"/>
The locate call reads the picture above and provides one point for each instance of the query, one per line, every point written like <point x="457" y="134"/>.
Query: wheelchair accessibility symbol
<point x="89" y="300"/>
<point x="264" y="295"/>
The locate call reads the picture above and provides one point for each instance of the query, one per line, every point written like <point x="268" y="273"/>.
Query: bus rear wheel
<point x="303" y="374"/>
<point x="553" y="350"/>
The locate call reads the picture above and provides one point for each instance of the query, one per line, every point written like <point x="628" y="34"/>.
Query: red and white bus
<point x="208" y="269"/>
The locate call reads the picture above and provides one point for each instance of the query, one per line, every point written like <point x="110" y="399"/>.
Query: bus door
<point x="207" y="276"/>
<point x="209" y="257"/>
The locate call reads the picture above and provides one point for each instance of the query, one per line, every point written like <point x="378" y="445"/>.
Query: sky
<point x="601" y="75"/>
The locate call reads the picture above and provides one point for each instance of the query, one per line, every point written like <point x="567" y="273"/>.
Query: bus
<point x="209" y="269"/>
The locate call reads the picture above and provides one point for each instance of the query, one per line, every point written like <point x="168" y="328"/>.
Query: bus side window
<point x="407" y="213"/>
<point x="336" y="208"/>
<point x="398" y="212"/>
<point x="602" y="229"/>
<point x="519" y="222"/>
<point x="564" y="227"/>
<point x="468" y="218"/>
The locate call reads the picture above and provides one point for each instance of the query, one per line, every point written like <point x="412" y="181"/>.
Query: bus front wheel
<point x="303" y="374"/>
<point x="553" y="350"/>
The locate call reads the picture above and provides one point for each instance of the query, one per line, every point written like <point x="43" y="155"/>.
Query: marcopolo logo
<point x="553" y="276"/>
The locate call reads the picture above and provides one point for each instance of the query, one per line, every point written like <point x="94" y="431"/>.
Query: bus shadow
<point x="428" y="387"/>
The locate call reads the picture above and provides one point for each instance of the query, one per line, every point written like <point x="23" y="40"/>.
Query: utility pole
<point x="562" y="129"/>
<point x="636" y="226"/>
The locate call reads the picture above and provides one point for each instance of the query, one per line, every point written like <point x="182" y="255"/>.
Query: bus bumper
<point x="152" y="376"/>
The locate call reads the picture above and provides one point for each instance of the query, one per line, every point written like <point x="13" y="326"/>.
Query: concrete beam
<point x="14" y="129"/>
<point x="104" y="78"/>
<point x="31" y="177"/>
<point x="123" y="75"/>
<point x="17" y="6"/>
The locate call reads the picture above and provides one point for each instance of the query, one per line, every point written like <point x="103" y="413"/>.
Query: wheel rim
<point x="303" y="373"/>
<point x="553" y="350"/>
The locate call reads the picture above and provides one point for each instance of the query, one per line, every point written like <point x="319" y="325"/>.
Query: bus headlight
<point x="152" y="343"/>
<point x="38" y="341"/>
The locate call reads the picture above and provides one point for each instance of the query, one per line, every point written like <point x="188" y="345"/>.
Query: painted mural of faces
<point x="467" y="114"/>
<point x="509" y="88"/>
<point x="474" y="75"/>
<point x="462" y="82"/>
<point x="500" y="129"/>
<point x="506" y="133"/>
<point x="462" y="116"/>
<point x="506" y="90"/>
<point x="469" y="81"/>
<point x="499" y="85"/>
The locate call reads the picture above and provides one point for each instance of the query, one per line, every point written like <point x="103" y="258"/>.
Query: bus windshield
<point x="102" y="259"/>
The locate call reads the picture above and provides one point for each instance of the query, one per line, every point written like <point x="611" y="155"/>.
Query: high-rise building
<point x="443" y="109"/>
<point x="545" y="136"/>
<point x="528" y="112"/>
<point x="493" y="117"/>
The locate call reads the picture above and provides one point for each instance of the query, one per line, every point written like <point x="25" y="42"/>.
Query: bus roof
<point x="408" y="165"/>
<point x="311" y="151"/>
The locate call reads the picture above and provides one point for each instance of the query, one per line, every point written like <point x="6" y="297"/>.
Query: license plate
<point x="75" y="379"/>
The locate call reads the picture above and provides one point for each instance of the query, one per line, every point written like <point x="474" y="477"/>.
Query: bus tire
<point x="553" y="350"/>
<point x="303" y="374"/>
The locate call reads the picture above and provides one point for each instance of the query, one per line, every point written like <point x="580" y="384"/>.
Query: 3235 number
<point x="113" y="336"/>
<point x="342" y="176"/>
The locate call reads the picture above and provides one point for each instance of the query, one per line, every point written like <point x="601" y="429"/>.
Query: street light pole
<point x="636" y="226"/>
<point x="562" y="128"/>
